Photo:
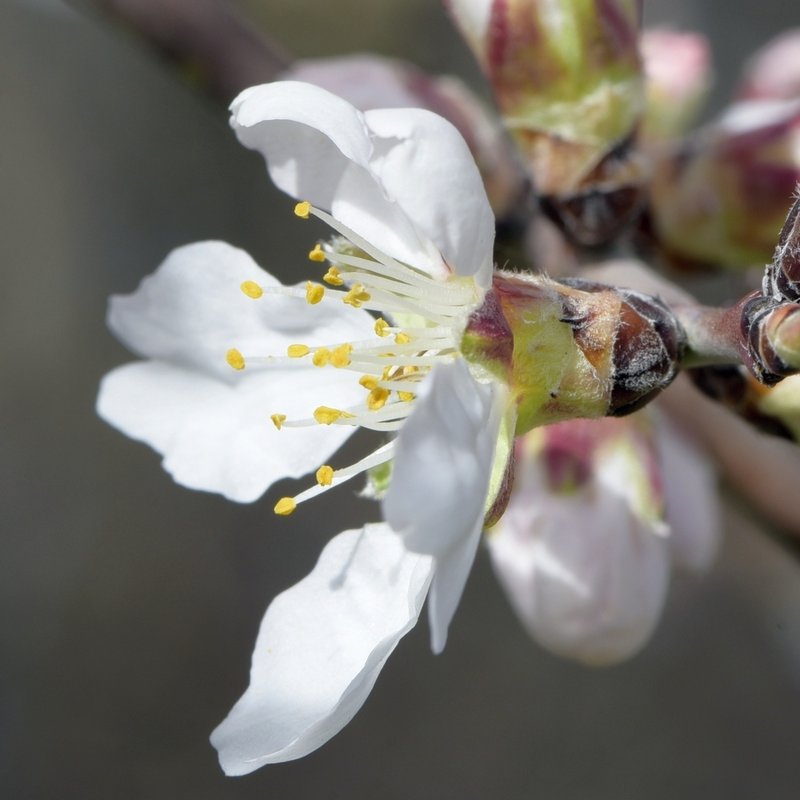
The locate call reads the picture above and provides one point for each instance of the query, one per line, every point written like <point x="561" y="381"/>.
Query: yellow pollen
<point x="402" y="338"/>
<point x="333" y="277"/>
<point x="369" y="382"/>
<point x="406" y="397"/>
<point x="317" y="254"/>
<point x="327" y="416"/>
<point x="252" y="289"/>
<point x="297" y="350"/>
<point x="381" y="327"/>
<point x="285" y="506"/>
<point x="235" y="358"/>
<point x="356" y="296"/>
<point x="325" y="475"/>
<point x="278" y="420"/>
<point x="321" y="357"/>
<point x="303" y="209"/>
<point x="340" y="357"/>
<point x="377" y="398"/>
<point x="314" y="293"/>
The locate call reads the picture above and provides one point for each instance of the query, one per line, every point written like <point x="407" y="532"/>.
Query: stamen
<point x="314" y="293"/>
<point x="402" y="338"/>
<point x="297" y="350"/>
<point x="285" y="506"/>
<point x="321" y="357"/>
<point x="325" y="415"/>
<point x="235" y="359"/>
<point x="356" y="296"/>
<point x="325" y="475"/>
<point x="333" y="277"/>
<point x="317" y="254"/>
<point x="252" y="289"/>
<point x="278" y="420"/>
<point x="303" y="209"/>
<point x="340" y="357"/>
<point x="377" y="398"/>
<point x="369" y="382"/>
<point x="382" y="327"/>
<point x="406" y="397"/>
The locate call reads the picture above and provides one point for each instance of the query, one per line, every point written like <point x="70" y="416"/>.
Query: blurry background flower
<point x="131" y="605"/>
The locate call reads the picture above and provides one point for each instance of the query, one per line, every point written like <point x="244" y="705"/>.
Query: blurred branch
<point x="206" y="39"/>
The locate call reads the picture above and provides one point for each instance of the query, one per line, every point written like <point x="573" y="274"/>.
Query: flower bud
<point x="773" y="72"/>
<point x="373" y="82"/>
<point x="770" y="344"/>
<point x="721" y="198"/>
<point x="573" y="349"/>
<point x="567" y="79"/>
<point x="677" y="70"/>
<point x="581" y="549"/>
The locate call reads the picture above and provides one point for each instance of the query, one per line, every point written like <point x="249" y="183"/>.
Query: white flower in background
<point x="583" y="549"/>
<point x="414" y="238"/>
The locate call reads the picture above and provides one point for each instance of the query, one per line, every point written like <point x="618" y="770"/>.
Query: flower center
<point x="421" y="323"/>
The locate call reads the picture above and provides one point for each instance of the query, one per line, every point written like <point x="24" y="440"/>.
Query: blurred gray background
<point x="130" y="605"/>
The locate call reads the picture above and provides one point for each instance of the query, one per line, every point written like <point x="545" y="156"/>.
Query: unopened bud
<point x="677" y="70"/>
<point x="782" y="277"/>
<point x="721" y="199"/>
<point x="573" y="349"/>
<point x="581" y="549"/>
<point x="567" y="79"/>
<point x="372" y="82"/>
<point x="773" y="72"/>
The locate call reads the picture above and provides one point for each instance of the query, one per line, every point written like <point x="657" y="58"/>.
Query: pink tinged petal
<point x="440" y="480"/>
<point x="586" y="574"/>
<point x="379" y="175"/>
<point x="218" y="437"/>
<point x="692" y="500"/>
<point x="321" y="647"/>
<point x="191" y="310"/>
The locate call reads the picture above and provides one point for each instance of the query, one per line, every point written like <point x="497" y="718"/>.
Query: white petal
<point x="406" y="181"/>
<point x="587" y="577"/>
<point x="692" y="498"/>
<point x="218" y="437"/>
<point x="321" y="647"/>
<point x="440" y="479"/>
<point x="472" y="17"/>
<point x="190" y="311"/>
<point x="424" y="164"/>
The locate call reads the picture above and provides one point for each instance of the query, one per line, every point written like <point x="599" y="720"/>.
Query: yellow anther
<point x="381" y="327"/>
<point x="377" y="398"/>
<point x="235" y="358"/>
<point x="303" y="209"/>
<point x="278" y="420"/>
<point x="402" y="338"/>
<point x="252" y="289"/>
<point x="340" y="357"/>
<point x="333" y="277"/>
<point x="297" y="350"/>
<point x="369" y="382"/>
<point x="321" y="357"/>
<point x="356" y="296"/>
<point x="327" y="416"/>
<point x="285" y="506"/>
<point x="317" y="254"/>
<point x="314" y="292"/>
<point x="325" y="475"/>
<point x="406" y="397"/>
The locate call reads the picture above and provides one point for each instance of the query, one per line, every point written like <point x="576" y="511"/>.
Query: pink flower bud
<point x="582" y="550"/>
<point x="722" y="198"/>
<point x="773" y="72"/>
<point x="677" y="69"/>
